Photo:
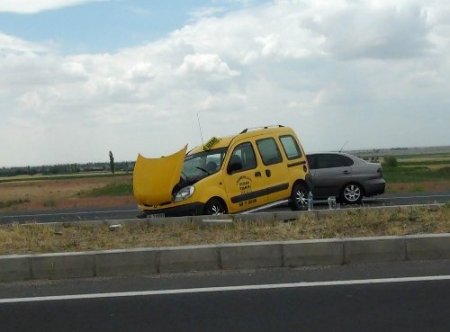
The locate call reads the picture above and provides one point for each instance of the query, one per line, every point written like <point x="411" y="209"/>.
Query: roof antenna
<point x="199" y="126"/>
<point x="343" y="146"/>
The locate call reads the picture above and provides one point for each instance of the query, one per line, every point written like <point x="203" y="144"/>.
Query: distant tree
<point x="111" y="161"/>
<point x="390" y="161"/>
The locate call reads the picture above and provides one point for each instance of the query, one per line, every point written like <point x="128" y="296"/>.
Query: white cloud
<point x="35" y="6"/>
<point x="210" y="64"/>
<point x="386" y="32"/>
<point x="206" y="12"/>
<point x="141" y="71"/>
<point x="367" y="72"/>
<point x="12" y="45"/>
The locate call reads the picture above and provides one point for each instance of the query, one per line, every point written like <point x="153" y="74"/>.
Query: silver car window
<point x="332" y="160"/>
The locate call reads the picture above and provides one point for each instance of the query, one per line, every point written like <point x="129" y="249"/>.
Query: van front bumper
<point x="191" y="209"/>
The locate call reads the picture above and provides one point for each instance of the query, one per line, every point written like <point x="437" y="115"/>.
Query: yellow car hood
<point x="155" y="178"/>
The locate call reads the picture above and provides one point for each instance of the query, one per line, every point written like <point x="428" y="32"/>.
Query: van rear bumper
<point x="192" y="209"/>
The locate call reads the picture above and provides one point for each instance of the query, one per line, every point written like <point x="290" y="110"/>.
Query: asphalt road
<point x="406" y="296"/>
<point x="127" y="212"/>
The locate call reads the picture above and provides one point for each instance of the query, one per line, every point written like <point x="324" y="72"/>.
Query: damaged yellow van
<point x="255" y="169"/>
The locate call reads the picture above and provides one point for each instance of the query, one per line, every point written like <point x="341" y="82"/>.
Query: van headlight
<point x="184" y="193"/>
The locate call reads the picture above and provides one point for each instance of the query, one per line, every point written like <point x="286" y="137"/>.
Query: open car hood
<point x="155" y="178"/>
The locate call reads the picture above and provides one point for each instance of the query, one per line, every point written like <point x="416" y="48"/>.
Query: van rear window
<point x="269" y="151"/>
<point x="290" y="147"/>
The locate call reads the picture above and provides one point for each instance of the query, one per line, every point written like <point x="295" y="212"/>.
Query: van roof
<point x="223" y="142"/>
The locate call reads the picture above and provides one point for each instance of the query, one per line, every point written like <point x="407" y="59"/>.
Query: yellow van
<point x="255" y="169"/>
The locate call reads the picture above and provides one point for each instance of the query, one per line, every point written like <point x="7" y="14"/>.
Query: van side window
<point x="269" y="151"/>
<point x="242" y="158"/>
<point x="290" y="147"/>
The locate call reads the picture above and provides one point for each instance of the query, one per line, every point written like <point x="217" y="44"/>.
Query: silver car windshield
<point x="203" y="164"/>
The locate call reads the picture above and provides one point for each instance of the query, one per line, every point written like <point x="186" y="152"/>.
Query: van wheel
<point x="352" y="193"/>
<point x="299" y="197"/>
<point x="215" y="207"/>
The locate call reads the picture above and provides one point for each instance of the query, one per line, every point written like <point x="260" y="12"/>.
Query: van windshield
<point x="200" y="165"/>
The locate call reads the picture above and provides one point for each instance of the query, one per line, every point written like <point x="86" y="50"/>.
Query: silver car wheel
<point x="352" y="193"/>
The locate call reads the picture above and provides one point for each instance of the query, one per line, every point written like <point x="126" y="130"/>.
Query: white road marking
<point x="65" y="213"/>
<point x="267" y="206"/>
<point x="226" y="289"/>
<point x="394" y="206"/>
<point x="218" y="221"/>
<point x="407" y="197"/>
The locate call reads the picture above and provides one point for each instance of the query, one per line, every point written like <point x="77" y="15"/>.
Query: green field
<point x="418" y="168"/>
<point x="111" y="189"/>
<point x="40" y="177"/>
<point x="415" y="174"/>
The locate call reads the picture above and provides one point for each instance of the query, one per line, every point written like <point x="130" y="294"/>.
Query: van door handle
<point x="258" y="174"/>
<point x="268" y="173"/>
<point x="346" y="172"/>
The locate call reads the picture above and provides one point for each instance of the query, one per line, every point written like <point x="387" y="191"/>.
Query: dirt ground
<point x="59" y="194"/>
<point x="426" y="186"/>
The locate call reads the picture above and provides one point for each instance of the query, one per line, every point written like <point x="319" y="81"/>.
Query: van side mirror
<point x="234" y="167"/>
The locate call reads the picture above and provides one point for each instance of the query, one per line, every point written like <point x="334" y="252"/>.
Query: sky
<point x="80" y="78"/>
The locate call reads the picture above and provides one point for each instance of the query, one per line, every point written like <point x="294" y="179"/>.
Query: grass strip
<point x="415" y="174"/>
<point x="351" y="223"/>
<point x="424" y="163"/>
<point x="72" y="176"/>
<point x="13" y="202"/>
<point x="111" y="189"/>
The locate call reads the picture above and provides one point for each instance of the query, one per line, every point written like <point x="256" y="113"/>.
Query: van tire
<point x="215" y="206"/>
<point x="299" y="197"/>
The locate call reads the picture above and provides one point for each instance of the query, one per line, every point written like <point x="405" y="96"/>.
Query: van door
<point x="275" y="172"/>
<point x="296" y="159"/>
<point x="243" y="179"/>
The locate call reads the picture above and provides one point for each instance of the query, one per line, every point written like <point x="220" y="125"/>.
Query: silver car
<point x="344" y="176"/>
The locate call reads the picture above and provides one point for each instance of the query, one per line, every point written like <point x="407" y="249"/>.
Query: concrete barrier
<point x="126" y="262"/>
<point x="224" y="256"/>
<point x="185" y="259"/>
<point x="15" y="267"/>
<point x="313" y="252"/>
<point x="425" y="247"/>
<point x="376" y="249"/>
<point x="251" y="255"/>
<point x="61" y="266"/>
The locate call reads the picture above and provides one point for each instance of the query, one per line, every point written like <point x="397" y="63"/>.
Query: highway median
<point x="283" y="239"/>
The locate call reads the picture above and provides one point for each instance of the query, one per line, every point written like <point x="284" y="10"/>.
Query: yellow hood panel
<point x="154" y="178"/>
